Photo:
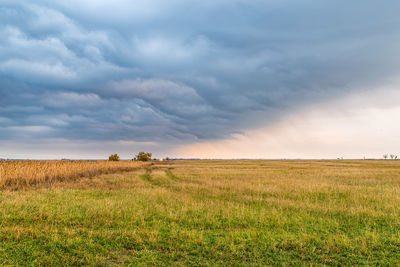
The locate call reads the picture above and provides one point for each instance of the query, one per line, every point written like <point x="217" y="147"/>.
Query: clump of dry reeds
<point x="18" y="174"/>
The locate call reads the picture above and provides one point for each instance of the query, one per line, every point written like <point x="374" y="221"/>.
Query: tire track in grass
<point x="170" y="175"/>
<point x="157" y="178"/>
<point x="164" y="178"/>
<point x="148" y="177"/>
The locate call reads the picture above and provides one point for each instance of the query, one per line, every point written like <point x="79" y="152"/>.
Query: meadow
<point x="207" y="213"/>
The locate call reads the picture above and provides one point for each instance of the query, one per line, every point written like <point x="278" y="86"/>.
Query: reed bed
<point x="19" y="174"/>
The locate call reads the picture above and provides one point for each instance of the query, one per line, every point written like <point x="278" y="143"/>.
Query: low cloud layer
<point x="352" y="128"/>
<point x="181" y="72"/>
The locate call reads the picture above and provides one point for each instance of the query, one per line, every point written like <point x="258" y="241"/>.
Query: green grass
<point x="210" y="213"/>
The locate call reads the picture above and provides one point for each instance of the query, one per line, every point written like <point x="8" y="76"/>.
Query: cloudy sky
<point x="210" y="79"/>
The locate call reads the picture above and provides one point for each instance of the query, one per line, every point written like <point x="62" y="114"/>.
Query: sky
<point x="199" y="79"/>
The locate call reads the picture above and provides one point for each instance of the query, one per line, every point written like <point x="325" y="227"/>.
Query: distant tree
<point x="385" y="156"/>
<point x="143" y="156"/>
<point x="395" y="157"/>
<point x="391" y="156"/>
<point x="167" y="158"/>
<point x="113" y="157"/>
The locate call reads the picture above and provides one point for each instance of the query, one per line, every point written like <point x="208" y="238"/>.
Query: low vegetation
<point x="210" y="213"/>
<point x="143" y="156"/>
<point x="19" y="174"/>
<point x="113" y="157"/>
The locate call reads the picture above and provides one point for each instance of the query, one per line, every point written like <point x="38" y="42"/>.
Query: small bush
<point x="114" y="157"/>
<point x="143" y="156"/>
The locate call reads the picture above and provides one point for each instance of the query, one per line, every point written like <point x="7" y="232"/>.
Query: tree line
<point x="141" y="156"/>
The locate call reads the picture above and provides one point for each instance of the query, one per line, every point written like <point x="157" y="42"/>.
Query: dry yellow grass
<point x="18" y="174"/>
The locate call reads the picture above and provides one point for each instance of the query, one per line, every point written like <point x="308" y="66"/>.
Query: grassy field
<point x="209" y="213"/>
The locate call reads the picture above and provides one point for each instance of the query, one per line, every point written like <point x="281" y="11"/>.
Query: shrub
<point x="143" y="156"/>
<point x="113" y="157"/>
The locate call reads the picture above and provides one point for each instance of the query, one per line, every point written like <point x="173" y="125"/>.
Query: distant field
<point x="209" y="213"/>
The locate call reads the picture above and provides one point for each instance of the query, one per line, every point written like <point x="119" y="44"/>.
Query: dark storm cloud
<point x="179" y="70"/>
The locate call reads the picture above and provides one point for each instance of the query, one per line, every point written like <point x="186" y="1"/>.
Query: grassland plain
<point x="210" y="213"/>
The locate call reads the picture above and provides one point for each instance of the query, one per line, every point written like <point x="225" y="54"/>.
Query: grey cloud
<point x="179" y="71"/>
<point x="166" y="96"/>
<point x="71" y="99"/>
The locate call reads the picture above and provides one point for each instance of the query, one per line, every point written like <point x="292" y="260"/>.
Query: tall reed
<point x="18" y="174"/>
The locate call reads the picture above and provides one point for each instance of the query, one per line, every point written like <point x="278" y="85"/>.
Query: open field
<point x="209" y="213"/>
